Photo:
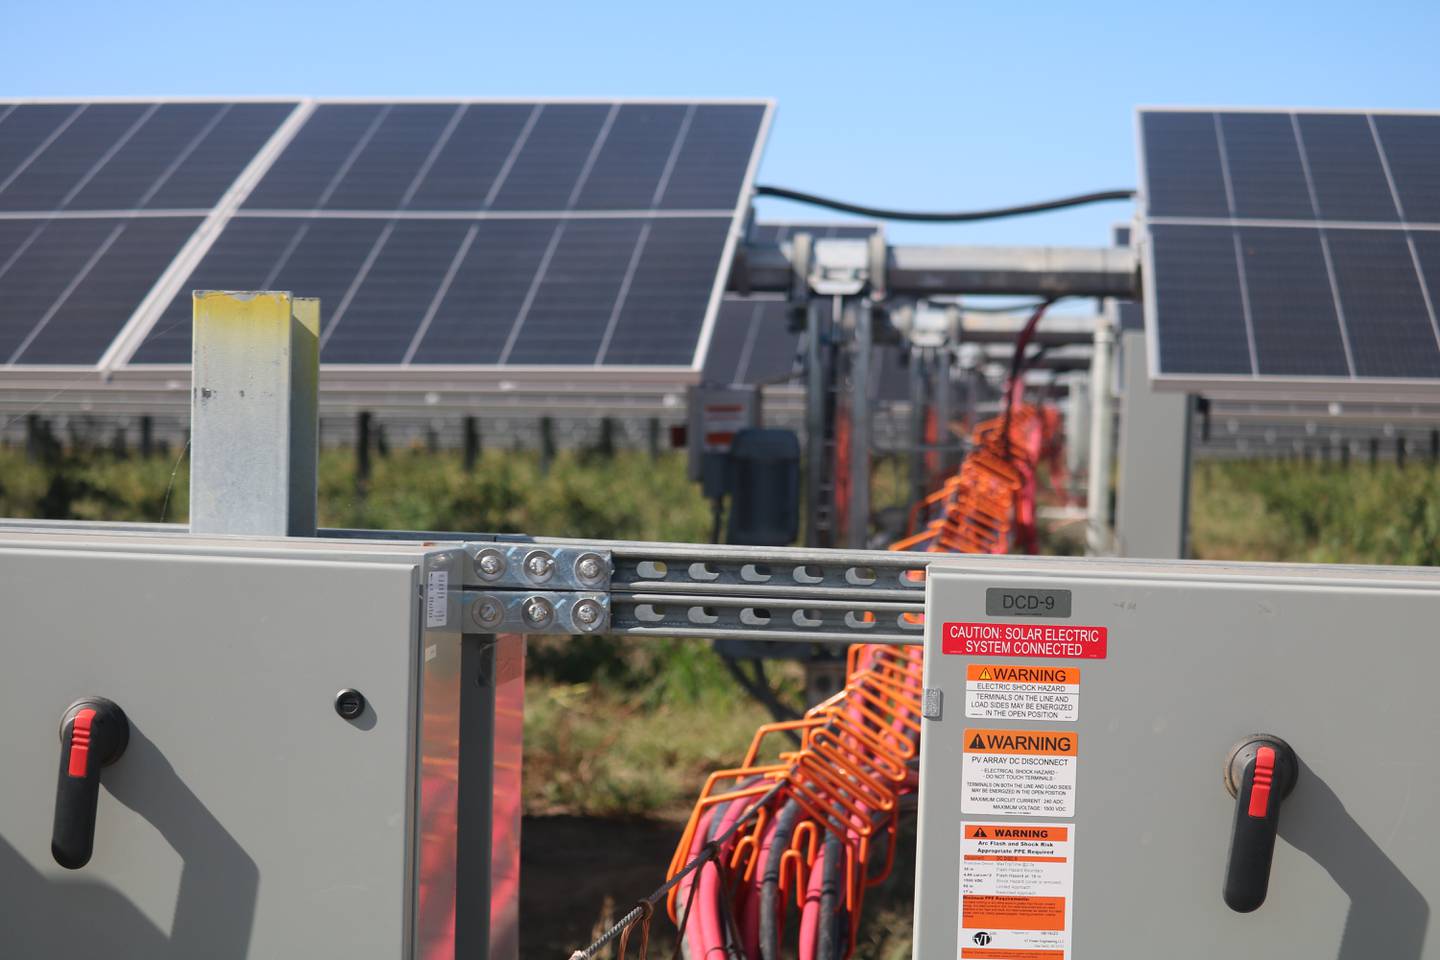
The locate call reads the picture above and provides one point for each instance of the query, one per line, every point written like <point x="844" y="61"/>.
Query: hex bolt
<point x="487" y="612"/>
<point x="587" y="614"/>
<point x="590" y="568"/>
<point x="490" y="563"/>
<point x="539" y="564"/>
<point x="538" y="611"/>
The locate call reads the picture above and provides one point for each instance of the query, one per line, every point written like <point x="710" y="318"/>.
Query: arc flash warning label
<point x="1058" y="640"/>
<point x="996" y="692"/>
<point x="1017" y="883"/>
<point x="1020" y="773"/>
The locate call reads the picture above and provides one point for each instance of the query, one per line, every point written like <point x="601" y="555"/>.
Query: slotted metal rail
<point x="685" y="590"/>
<point x="751" y="593"/>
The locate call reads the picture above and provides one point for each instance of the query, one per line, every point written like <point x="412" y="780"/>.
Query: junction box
<point x="1087" y="722"/>
<point x="319" y="761"/>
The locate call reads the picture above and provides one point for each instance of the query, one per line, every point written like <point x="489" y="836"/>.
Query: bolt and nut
<point x="539" y="565"/>
<point x="590" y="568"/>
<point x="490" y="563"/>
<point x="488" y="612"/>
<point x="588" y="614"/>
<point x="538" y="611"/>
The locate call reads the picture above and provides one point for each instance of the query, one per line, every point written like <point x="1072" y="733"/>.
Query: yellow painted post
<point x="253" y="412"/>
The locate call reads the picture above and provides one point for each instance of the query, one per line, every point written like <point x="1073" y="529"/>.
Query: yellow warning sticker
<point x="999" y="692"/>
<point x="1024" y="773"/>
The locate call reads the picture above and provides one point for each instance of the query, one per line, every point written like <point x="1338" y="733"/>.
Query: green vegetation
<point x="1316" y="513"/>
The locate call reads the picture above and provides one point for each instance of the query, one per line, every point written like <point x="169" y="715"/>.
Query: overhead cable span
<point x="960" y="216"/>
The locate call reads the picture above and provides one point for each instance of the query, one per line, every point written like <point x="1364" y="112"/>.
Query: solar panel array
<point x="96" y="199"/>
<point x="752" y="342"/>
<point x="437" y="234"/>
<point x="1292" y="246"/>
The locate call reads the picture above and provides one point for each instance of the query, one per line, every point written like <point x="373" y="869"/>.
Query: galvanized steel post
<point x="253" y="412"/>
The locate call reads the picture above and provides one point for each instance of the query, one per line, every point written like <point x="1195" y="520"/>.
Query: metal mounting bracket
<point x="528" y="566"/>
<point x="536" y="611"/>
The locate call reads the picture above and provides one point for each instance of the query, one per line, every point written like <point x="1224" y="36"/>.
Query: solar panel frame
<point x="1330" y="214"/>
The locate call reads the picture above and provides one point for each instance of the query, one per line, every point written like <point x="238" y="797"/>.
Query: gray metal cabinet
<point x="1342" y="663"/>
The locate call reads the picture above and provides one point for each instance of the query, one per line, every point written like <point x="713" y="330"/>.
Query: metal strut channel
<point x="751" y="593"/>
<point x="684" y="590"/>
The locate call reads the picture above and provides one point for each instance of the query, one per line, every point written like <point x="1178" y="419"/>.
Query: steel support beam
<point x="920" y="393"/>
<point x="1100" y="539"/>
<point x="944" y="392"/>
<point x="817" y="464"/>
<point x="862" y="338"/>
<point x="254" y="414"/>
<point x="933" y="270"/>
<point x="1152" y="514"/>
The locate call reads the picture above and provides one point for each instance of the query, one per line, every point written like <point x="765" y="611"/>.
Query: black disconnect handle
<point x="1260" y="774"/>
<point x="93" y="734"/>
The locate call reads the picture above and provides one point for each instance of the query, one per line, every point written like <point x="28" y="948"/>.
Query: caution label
<point x="1055" y="640"/>
<point x="1020" y="773"/>
<point x="1016" y="888"/>
<point x="996" y="692"/>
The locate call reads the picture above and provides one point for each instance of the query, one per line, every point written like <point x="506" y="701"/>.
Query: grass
<point x="1316" y="513"/>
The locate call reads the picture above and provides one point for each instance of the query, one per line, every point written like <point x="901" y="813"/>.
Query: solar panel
<point x="752" y="342"/>
<point x="1290" y="250"/>
<point x="96" y="202"/>
<point x="455" y="234"/>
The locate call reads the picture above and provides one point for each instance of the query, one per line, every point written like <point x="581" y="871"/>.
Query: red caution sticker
<point x="1063" y="640"/>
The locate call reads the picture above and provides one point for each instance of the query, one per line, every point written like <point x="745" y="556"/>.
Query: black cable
<point x="1017" y="367"/>
<point x="962" y="216"/>
<point x="829" y="945"/>
<point x="710" y="850"/>
<point x="770" y="881"/>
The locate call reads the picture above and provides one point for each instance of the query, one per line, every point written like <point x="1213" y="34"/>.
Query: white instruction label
<point x="1020" y="773"/>
<point x="998" y="692"/>
<point x="1017" y="882"/>
<point x="437" y="600"/>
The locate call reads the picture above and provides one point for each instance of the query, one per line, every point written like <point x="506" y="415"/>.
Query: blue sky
<point x="923" y="105"/>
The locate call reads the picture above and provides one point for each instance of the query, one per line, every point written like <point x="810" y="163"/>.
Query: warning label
<point x="1016" y="886"/>
<point x="1024" y="640"/>
<point x="994" y="692"/>
<point x="1020" y="773"/>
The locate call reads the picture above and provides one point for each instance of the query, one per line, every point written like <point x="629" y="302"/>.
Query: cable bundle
<point x="990" y="503"/>
<point x="812" y="831"/>
<point x="813" y="847"/>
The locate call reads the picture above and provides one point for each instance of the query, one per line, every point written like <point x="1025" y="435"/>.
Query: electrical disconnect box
<point x="1130" y="760"/>
<point x="242" y="748"/>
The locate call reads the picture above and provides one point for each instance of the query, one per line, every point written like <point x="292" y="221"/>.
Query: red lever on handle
<point x="80" y="742"/>
<point x="1264" y="779"/>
